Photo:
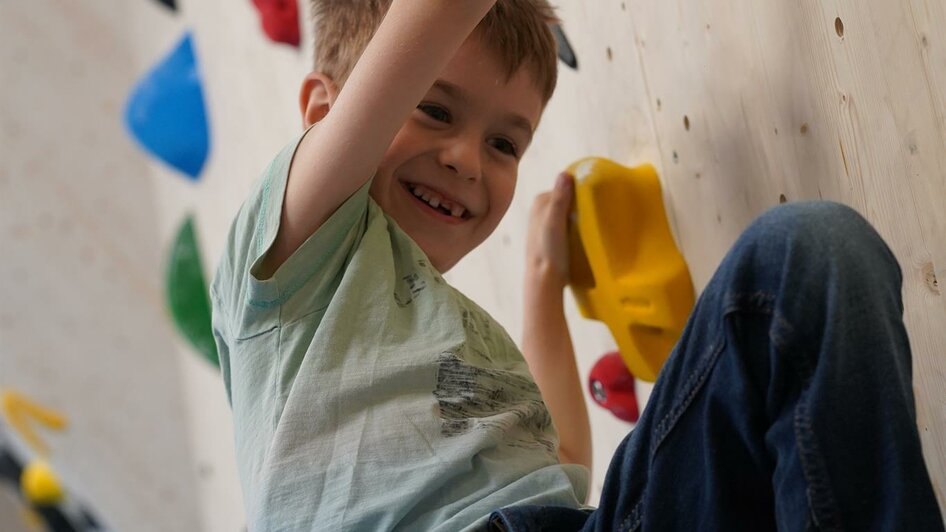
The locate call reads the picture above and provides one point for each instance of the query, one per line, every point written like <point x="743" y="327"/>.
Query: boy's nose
<point x="462" y="156"/>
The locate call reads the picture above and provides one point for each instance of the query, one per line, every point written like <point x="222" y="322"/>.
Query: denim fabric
<point x="787" y="403"/>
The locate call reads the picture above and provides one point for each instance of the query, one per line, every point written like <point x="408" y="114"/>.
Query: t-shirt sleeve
<point x="324" y="254"/>
<point x="307" y="280"/>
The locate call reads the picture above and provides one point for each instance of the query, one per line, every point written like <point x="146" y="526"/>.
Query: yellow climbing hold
<point x="40" y="485"/>
<point x="625" y="267"/>
<point x="19" y="410"/>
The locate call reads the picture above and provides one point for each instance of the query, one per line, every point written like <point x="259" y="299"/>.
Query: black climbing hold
<point x="170" y="4"/>
<point x="565" y="52"/>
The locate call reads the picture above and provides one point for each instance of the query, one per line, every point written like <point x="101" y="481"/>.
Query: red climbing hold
<point x="280" y="20"/>
<point x="612" y="386"/>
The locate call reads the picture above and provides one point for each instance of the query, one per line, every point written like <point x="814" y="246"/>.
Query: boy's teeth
<point x="435" y="201"/>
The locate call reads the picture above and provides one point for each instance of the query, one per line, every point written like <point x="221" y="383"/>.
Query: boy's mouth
<point x="436" y="202"/>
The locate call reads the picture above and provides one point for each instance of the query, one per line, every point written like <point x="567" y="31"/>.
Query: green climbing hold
<point x="187" y="293"/>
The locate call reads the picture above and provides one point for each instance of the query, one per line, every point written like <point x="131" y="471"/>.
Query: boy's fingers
<point x="564" y="191"/>
<point x="556" y="202"/>
<point x="564" y="180"/>
<point x="540" y="201"/>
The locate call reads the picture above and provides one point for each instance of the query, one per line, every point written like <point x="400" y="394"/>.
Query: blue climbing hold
<point x="166" y="112"/>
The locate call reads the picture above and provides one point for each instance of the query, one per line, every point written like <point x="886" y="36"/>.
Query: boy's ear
<point x="316" y="97"/>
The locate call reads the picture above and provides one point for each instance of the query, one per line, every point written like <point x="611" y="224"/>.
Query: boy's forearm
<point x="547" y="347"/>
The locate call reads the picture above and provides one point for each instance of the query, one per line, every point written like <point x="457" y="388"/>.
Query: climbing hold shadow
<point x="280" y="20"/>
<point x="565" y="52"/>
<point x="187" y="293"/>
<point x="165" y="112"/>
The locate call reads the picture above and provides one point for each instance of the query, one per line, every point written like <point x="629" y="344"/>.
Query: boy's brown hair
<point x="518" y="31"/>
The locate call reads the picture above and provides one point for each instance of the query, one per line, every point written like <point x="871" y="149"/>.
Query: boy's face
<point x="449" y="175"/>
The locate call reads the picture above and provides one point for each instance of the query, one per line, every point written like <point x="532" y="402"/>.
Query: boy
<point x="369" y="395"/>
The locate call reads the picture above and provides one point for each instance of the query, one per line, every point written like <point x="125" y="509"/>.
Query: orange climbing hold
<point x="626" y="270"/>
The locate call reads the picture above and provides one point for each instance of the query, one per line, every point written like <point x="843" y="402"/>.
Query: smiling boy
<point x="367" y="393"/>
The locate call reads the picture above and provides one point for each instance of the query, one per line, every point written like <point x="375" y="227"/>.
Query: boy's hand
<point x="547" y="240"/>
<point x="546" y="342"/>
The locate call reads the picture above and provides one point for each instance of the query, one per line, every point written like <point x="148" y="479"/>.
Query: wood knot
<point x="930" y="275"/>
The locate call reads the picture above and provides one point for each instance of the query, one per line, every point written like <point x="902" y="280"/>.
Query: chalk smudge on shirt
<point x="474" y="398"/>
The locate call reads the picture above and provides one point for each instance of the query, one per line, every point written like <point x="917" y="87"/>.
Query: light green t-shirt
<point x="367" y="393"/>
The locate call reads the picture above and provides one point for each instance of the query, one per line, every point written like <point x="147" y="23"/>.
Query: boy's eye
<point x="435" y="111"/>
<point x="506" y="146"/>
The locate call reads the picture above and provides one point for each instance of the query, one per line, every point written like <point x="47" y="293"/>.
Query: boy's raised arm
<point x="412" y="46"/>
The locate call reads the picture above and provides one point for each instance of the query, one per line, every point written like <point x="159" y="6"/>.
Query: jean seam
<point x="759" y="301"/>
<point x="633" y="519"/>
<point x="692" y="386"/>
<point x="821" y="500"/>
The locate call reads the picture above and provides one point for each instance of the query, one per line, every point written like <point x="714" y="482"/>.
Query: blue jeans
<point x="787" y="403"/>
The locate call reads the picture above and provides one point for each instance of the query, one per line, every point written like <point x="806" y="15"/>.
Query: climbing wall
<point x="739" y="105"/>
